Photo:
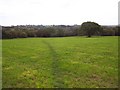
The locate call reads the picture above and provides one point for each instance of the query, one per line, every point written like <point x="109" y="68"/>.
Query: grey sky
<point x="49" y="12"/>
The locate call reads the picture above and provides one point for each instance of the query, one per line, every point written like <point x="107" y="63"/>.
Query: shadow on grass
<point x="58" y="82"/>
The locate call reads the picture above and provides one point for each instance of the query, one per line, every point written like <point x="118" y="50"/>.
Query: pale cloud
<point x="13" y="12"/>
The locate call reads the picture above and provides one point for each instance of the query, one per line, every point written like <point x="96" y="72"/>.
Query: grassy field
<point x="0" y="64"/>
<point x="60" y="62"/>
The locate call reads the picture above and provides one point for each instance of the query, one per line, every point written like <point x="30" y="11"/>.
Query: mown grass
<point x="0" y="64"/>
<point x="69" y="62"/>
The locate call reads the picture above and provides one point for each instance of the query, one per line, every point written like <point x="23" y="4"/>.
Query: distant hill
<point x="0" y="31"/>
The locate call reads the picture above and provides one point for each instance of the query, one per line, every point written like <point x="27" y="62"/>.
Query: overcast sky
<point x="49" y="12"/>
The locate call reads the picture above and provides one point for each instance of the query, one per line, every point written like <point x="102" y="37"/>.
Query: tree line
<point x="87" y="28"/>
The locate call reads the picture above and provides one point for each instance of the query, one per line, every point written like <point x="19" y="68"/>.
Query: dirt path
<point x="57" y="76"/>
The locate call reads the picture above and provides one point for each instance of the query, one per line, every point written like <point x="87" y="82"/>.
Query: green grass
<point x="0" y="64"/>
<point x="69" y="62"/>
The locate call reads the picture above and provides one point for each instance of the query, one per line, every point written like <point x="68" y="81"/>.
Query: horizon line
<point x="54" y="25"/>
